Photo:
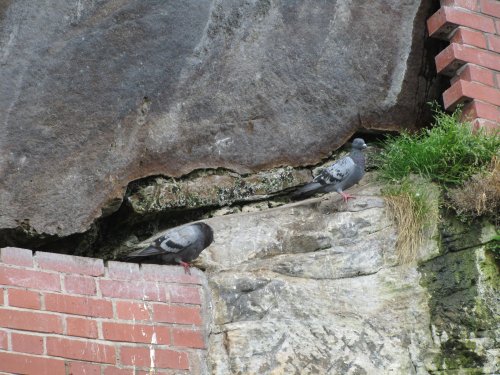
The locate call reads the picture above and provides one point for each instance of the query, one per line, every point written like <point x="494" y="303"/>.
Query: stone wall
<point x="62" y="314"/>
<point x="472" y="60"/>
<point x="312" y="287"/>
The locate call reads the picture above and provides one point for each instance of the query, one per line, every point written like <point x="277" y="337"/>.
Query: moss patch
<point x="462" y="283"/>
<point x="459" y="355"/>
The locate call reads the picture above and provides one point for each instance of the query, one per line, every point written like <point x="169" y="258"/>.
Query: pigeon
<point x="339" y="176"/>
<point x="180" y="245"/>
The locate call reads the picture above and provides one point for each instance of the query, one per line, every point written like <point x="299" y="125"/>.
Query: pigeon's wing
<point x="306" y="190"/>
<point x="172" y="241"/>
<point x="146" y="252"/>
<point x="337" y="172"/>
<point x="179" y="239"/>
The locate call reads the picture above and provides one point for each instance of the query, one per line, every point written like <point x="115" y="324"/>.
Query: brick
<point x="464" y="35"/>
<point x="447" y="19"/>
<point x="188" y="338"/>
<point x="489" y="127"/>
<point x="471" y="72"/>
<point x="80" y="349"/>
<point x="176" y="314"/>
<point x="79" y="305"/>
<point x="30" y="321"/>
<point x="111" y="370"/>
<point x="82" y="368"/>
<point x="4" y="340"/>
<point x="29" y="278"/>
<point x="132" y="310"/>
<point x="157" y="358"/>
<point x="140" y="333"/>
<point x="174" y="274"/>
<point x="449" y="60"/>
<point x="464" y="91"/>
<point x="467" y="4"/>
<point x="26" y="343"/>
<point x="184" y="294"/>
<point x="136" y="356"/>
<point x="494" y="43"/>
<point x="16" y="256"/>
<point x="26" y="364"/>
<point x="123" y="271"/>
<point x="166" y="358"/>
<point x="81" y="327"/>
<point x="2" y="290"/>
<point x="143" y="290"/>
<point x="479" y="109"/>
<point x="77" y="284"/>
<point x="24" y="298"/>
<point x="161" y="372"/>
<point x="491" y="7"/>
<point x="70" y="264"/>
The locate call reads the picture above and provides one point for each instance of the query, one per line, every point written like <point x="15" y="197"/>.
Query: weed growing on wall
<point x="451" y="154"/>
<point x="448" y="153"/>
<point x="480" y="195"/>
<point x="415" y="210"/>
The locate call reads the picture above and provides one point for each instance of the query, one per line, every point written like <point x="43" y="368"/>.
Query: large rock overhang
<point x="94" y="95"/>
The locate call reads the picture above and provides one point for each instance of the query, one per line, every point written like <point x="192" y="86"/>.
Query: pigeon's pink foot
<point x="186" y="267"/>
<point x="347" y="196"/>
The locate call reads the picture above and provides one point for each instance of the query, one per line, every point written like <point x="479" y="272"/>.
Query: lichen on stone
<point x="464" y="304"/>
<point x="213" y="189"/>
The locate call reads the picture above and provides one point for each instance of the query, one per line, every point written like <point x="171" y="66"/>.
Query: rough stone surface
<point x="314" y="287"/>
<point x="464" y="286"/>
<point x="214" y="190"/>
<point x="97" y="93"/>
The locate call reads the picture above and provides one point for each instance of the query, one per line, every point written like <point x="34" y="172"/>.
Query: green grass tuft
<point x="448" y="153"/>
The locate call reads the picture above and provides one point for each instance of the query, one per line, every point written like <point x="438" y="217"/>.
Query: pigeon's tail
<point x="146" y="252"/>
<point x="306" y="190"/>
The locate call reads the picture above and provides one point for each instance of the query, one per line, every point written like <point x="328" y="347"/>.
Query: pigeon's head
<point x="358" y="144"/>
<point x="208" y="233"/>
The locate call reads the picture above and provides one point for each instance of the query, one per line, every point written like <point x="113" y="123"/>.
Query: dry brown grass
<point x="480" y="195"/>
<point x="415" y="210"/>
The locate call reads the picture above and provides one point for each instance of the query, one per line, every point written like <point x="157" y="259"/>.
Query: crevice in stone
<point x="309" y="277"/>
<point x="114" y="233"/>
<point x="108" y="236"/>
<point x="432" y="80"/>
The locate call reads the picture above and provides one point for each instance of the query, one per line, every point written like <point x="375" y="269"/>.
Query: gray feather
<point x="336" y="173"/>
<point x="307" y="190"/>
<point x="339" y="176"/>
<point x="182" y="243"/>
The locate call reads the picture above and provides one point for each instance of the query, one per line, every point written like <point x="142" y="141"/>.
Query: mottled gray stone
<point x="217" y="189"/>
<point x="97" y="93"/>
<point x="315" y="288"/>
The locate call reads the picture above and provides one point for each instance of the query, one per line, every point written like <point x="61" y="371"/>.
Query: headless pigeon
<point x="340" y="176"/>
<point x="180" y="245"/>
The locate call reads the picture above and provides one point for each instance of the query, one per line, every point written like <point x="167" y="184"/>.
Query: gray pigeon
<point x="180" y="245"/>
<point x="339" y="176"/>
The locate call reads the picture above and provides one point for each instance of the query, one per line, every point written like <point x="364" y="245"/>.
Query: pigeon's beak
<point x="364" y="145"/>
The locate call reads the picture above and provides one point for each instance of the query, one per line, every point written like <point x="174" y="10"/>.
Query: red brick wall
<point x="62" y="314"/>
<point x="472" y="60"/>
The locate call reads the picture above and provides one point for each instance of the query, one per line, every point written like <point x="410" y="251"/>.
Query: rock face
<point x="464" y="286"/>
<point x="314" y="288"/>
<point x="95" y="94"/>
